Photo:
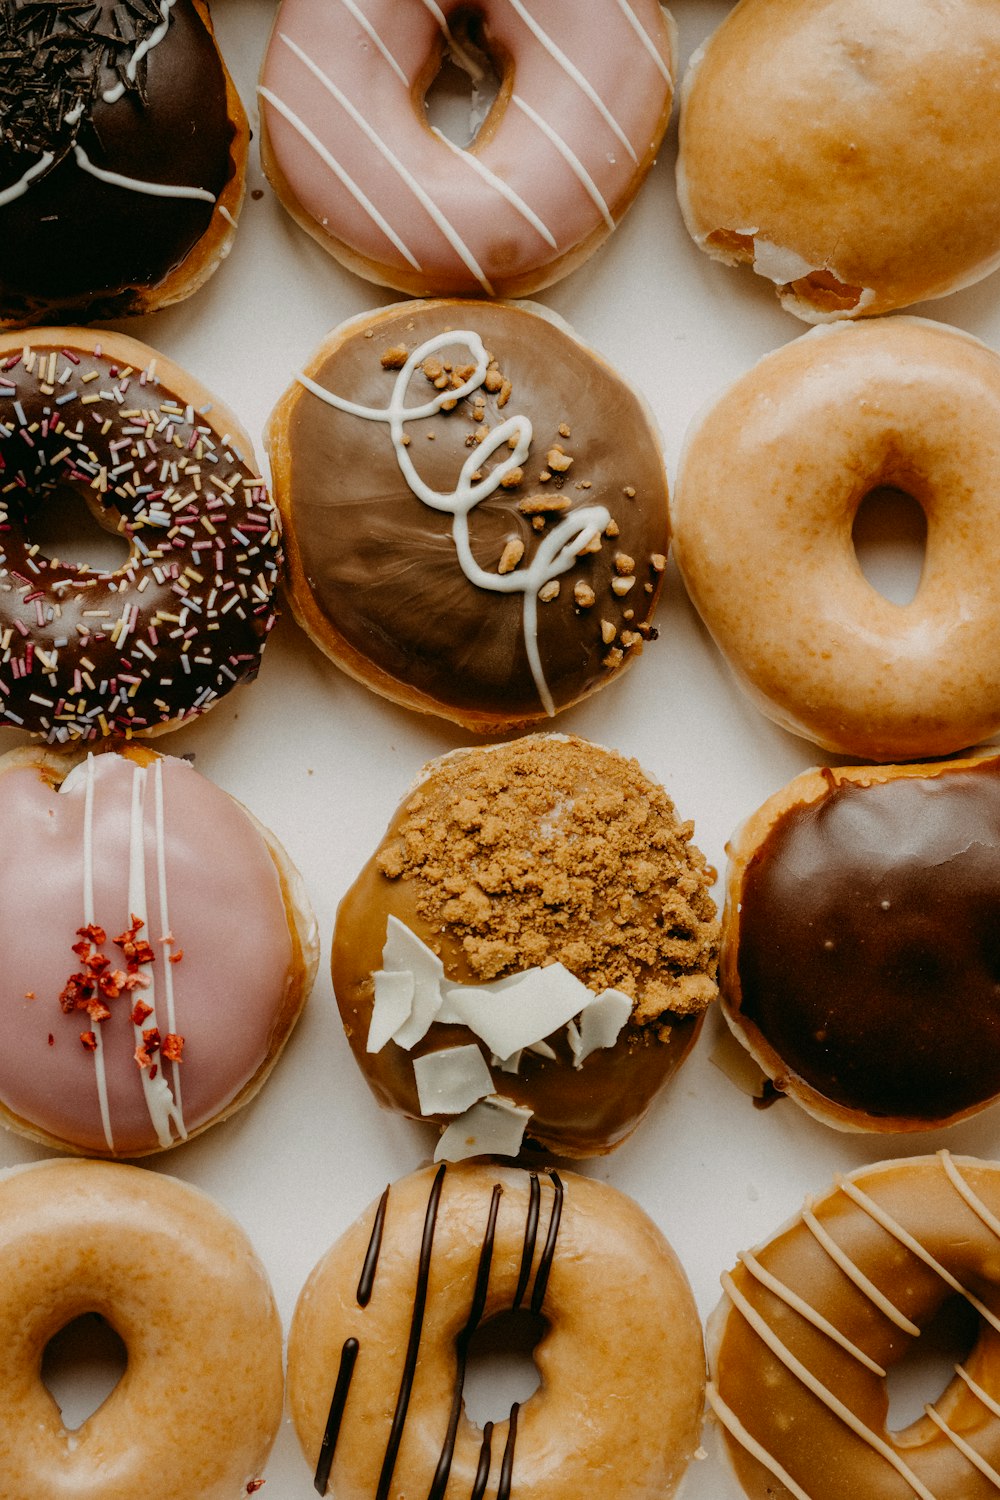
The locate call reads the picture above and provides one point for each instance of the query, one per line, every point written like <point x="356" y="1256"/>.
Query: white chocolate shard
<point x="528" y="1008"/>
<point x="492" y="1127"/>
<point x="600" y="1023"/>
<point x="451" y="1080"/>
<point x="392" y="1009"/>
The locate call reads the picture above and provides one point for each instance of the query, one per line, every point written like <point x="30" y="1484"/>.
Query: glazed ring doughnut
<point x="770" y="482"/>
<point x="583" y="104"/>
<point x="123" y="150"/>
<point x="87" y="653"/>
<point x="819" y="1314"/>
<point x="199" y="1405"/>
<point x="621" y="1357"/>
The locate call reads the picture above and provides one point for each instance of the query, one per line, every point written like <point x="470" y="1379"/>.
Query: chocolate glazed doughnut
<point x="123" y="146"/>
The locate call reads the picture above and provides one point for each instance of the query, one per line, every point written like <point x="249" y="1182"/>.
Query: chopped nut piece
<point x="544" y="477"/>
<point x="511" y="555"/>
<point x="608" y="632"/>
<point x="534" y="505"/>
<point x="612" y="528"/>
<point x="614" y="657"/>
<point x="594" y="545"/>
<point x="538" y="523"/>
<point x="549" y="591"/>
<point x="512" y="479"/>
<point x="629" y="490"/>
<point x="657" y="562"/>
<point x="505" y="390"/>
<point x="630" y="638"/>
<point x="432" y="368"/>
<point x="395" y="358"/>
<point x="564" y="429"/>
<point x="624" y="564"/>
<point x="584" y="594"/>
<point x="493" y="381"/>
<point x="621" y="586"/>
<point x="558" y="460"/>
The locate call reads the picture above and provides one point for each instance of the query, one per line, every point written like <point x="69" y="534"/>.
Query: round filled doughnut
<point x="860" y="902"/>
<point x="808" y="150"/>
<point x="822" y="1312"/>
<point x="158" y="950"/>
<point x="123" y="148"/>
<point x="443" y="1253"/>
<point x="582" y="105"/>
<point x="475" y="509"/>
<point x="88" y="652"/>
<point x="771" y="479"/>
<point x="200" y="1402"/>
<point x="529" y="954"/>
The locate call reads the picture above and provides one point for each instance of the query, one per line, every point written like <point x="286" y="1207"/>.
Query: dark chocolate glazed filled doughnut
<point x="861" y="951"/>
<point x="123" y="146"/>
<point x="476" y="510"/>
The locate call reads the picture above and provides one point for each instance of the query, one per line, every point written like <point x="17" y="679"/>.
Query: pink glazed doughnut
<point x="584" y="100"/>
<point x="157" y="950"/>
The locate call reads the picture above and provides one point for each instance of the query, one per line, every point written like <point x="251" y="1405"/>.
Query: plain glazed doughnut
<point x="158" y="949"/>
<point x="770" y="482"/>
<point x="529" y="954"/>
<point x="475" y="508"/>
<point x="818" y="1315"/>
<point x="583" y="104"/>
<point x="123" y="148"/>
<point x="860" y="901"/>
<point x="620" y="1358"/>
<point x="199" y="1405"/>
<point x="847" y="149"/>
<point x="86" y="652"/>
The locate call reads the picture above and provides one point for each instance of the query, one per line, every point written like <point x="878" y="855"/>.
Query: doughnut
<point x="123" y="148"/>
<point x="199" y="1405"/>
<point x="153" y="974"/>
<point x="846" y="151"/>
<point x="820" y="1313"/>
<point x="528" y="955"/>
<point x="860" y="902"/>
<point x="490" y="593"/>
<point x="89" y="652"/>
<point x="582" y="106"/>
<point x="446" y="1251"/>
<point x="770" y="481"/>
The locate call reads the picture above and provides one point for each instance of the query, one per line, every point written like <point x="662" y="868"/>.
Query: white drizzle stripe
<point x="645" y="39"/>
<point x="329" y="160"/>
<point x="799" y="1305"/>
<point x="113" y="94"/>
<point x="733" y="1425"/>
<point x="572" y="161"/>
<point x="573" y="72"/>
<point x="449" y="231"/>
<point x="503" y="188"/>
<point x="984" y="1396"/>
<point x="816" y="1388"/>
<point x="460" y="55"/>
<point x="889" y="1224"/>
<point x="857" y="1276"/>
<point x="136" y="185"/>
<point x="20" y="187"/>
<point x="961" y="1186"/>
<point x="558" y="550"/>
<point x="373" y="36"/>
<point x="963" y="1447"/>
<point x="89" y="920"/>
<point x="165" y="930"/>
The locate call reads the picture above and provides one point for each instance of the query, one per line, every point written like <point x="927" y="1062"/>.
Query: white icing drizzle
<point x="746" y="1440"/>
<point x="558" y="550"/>
<point x="136" y="185"/>
<point x="113" y="94"/>
<point x="573" y="72"/>
<point x="374" y="37"/>
<point x="503" y="188"/>
<point x="570" y="158"/>
<point x="645" y="39"/>
<point x="966" y="1449"/>
<point x="856" y="1275"/>
<point x="805" y="1310"/>
<point x="977" y="1390"/>
<point x="328" y="159"/>
<point x="444" y="224"/>
<point x="961" y="1186"/>
<point x="20" y="187"/>
<point x="89" y="920"/>
<point x="165" y="929"/>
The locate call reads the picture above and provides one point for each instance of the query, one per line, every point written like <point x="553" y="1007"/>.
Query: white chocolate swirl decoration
<point x="559" y="549"/>
<point x="819" y="1314"/>
<point x="581" y="109"/>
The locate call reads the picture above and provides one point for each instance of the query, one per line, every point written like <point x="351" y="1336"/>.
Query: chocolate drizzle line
<point x="507" y="1464"/>
<point x="530" y="1231"/>
<point x="348" y="1358"/>
<point x="485" y="1463"/>
<point x="366" y="1280"/>
<point x="548" y="1254"/>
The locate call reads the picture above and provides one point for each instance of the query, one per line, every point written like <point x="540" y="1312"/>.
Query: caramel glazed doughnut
<point x="491" y="590"/>
<point x="86" y="652"/>
<point x="812" y="1321"/>
<point x="123" y="147"/>
<point x="770" y="481"/>
<point x="158" y="949"/>
<point x="198" y="1407"/>
<point x="443" y="1252"/>
<point x="583" y="103"/>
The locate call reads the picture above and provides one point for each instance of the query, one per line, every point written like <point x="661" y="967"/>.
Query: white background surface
<point x="324" y="763"/>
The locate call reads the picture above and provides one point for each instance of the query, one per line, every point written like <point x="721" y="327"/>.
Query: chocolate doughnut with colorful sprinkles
<point x="86" y="652"/>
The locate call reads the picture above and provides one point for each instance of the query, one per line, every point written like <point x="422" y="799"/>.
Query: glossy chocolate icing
<point x="72" y="242"/>
<point x="869" y="947"/>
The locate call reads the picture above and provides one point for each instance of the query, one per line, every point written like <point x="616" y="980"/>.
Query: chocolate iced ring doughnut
<point x="123" y="148"/>
<point x="475" y="508"/>
<point x="444" y="1252"/>
<point x="818" y="1316"/>
<point x="582" y="106"/>
<point x="87" y="652"/>
<point x="199" y="1407"/>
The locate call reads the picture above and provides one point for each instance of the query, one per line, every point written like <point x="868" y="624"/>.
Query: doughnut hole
<point x="501" y="1368"/>
<point x="461" y="93"/>
<point x="70" y="528"/>
<point x="81" y="1365"/>
<point x="890" y="542"/>
<point x="928" y="1367"/>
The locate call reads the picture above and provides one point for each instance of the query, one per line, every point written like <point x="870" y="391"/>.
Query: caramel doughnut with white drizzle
<point x="86" y="652"/>
<point x="199" y="1405"/>
<point x="443" y="1252"/>
<point x="582" y="107"/>
<point x="817" y="1316"/>
<point x="475" y="508"/>
<point x="157" y="958"/>
<point x="123" y="148"/>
